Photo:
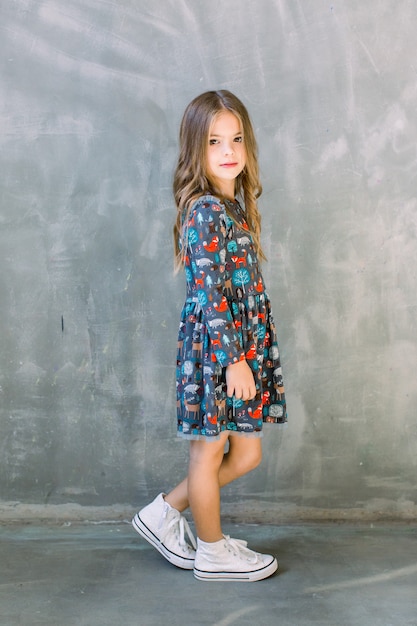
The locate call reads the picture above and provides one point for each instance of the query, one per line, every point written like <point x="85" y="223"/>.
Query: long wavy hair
<point x="191" y="177"/>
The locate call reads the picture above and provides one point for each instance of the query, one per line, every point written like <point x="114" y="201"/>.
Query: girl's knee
<point x="210" y="452"/>
<point x="255" y="458"/>
<point x="246" y="460"/>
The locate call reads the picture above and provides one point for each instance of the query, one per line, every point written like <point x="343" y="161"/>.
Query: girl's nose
<point x="228" y="148"/>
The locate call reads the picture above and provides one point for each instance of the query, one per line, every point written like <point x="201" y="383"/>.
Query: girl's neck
<point x="227" y="191"/>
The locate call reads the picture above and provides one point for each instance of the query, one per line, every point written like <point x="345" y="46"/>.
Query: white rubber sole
<point x="249" y="577"/>
<point x="146" y="533"/>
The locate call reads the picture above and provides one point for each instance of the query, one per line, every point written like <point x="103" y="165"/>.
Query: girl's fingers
<point x="243" y="394"/>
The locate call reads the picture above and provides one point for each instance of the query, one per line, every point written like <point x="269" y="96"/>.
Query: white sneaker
<point x="231" y="560"/>
<point x="165" y="528"/>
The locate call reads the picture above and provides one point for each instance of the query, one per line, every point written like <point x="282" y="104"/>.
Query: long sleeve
<point x="207" y="278"/>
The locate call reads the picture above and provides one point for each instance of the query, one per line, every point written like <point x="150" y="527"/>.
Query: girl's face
<point x="226" y="153"/>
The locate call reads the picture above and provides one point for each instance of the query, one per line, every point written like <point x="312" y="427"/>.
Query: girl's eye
<point x="214" y="142"/>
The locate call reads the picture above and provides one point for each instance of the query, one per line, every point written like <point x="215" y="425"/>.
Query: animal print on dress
<point x="226" y="318"/>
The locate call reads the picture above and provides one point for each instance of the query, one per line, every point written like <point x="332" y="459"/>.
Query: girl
<point x="229" y="378"/>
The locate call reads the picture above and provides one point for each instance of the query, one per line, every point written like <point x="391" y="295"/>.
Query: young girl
<point x="229" y="378"/>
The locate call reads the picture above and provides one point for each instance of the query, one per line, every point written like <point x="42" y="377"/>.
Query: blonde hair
<point x="191" y="178"/>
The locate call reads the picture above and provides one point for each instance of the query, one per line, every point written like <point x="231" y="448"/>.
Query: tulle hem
<point x="234" y="433"/>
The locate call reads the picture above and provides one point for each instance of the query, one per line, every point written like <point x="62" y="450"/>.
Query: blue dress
<point x="226" y="318"/>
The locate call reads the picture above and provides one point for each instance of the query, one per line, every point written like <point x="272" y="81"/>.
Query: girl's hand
<point x="240" y="381"/>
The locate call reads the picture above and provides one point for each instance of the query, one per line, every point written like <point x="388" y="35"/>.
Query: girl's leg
<point x="244" y="455"/>
<point x="215" y="556"/>
<point x="218" y="556"/>
<point x="203" y="486"/>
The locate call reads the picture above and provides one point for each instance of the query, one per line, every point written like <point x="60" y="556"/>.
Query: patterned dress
<point x="226" y="318"/>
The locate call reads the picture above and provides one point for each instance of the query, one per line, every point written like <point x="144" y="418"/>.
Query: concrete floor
<point x="104" y="574"/>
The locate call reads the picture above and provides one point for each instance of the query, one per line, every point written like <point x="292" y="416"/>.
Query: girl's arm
<point x="206" y="273"/>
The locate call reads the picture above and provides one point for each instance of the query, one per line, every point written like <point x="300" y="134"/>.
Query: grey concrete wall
<point x="91" y="96"/>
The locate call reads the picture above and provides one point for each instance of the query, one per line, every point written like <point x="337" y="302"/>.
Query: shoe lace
<point x="238" y="547"/>
<point x="179" y="525"/>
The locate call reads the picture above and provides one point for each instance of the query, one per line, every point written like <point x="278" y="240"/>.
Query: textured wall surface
<point x="91" y="95"/>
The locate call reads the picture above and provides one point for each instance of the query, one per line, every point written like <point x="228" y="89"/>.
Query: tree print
<point x="188" y="368"/>
<point x="221" y="356"/>
<point x="192" y="237"/>
<point x="241" y="277"/>
<point x="276" y="410"/>
<point x="261" y="331"/>
<point x="202" y="297"/>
